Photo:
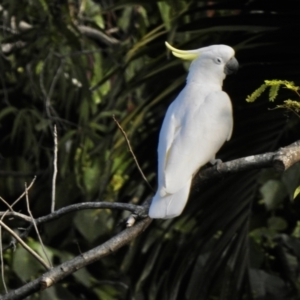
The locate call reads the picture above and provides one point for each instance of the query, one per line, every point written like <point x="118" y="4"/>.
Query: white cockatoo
<point x="196" y="125"/>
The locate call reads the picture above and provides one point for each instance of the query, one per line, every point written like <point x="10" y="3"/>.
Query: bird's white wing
<point x="168" y="132"/>
<point x="202" y="131"/>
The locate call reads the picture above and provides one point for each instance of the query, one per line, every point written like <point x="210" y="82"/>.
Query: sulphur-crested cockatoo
<point x="195" y="127"/>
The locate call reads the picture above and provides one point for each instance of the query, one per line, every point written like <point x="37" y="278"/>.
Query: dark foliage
<point x="238" y="237"/>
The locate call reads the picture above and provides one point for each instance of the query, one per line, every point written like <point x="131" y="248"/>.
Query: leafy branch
<point x="274" y="86"/>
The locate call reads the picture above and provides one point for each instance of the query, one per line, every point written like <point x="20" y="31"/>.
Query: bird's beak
<point x="183" y="54"/>
<point x="231" y="67"/>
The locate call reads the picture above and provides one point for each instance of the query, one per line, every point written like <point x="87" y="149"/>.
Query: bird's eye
<point x="218" y="60"/>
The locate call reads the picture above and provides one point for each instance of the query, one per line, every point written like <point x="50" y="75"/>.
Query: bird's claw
<point x="216" y="161"/>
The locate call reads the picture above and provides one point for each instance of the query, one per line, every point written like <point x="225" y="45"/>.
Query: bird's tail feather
<point x="171" y="205"/>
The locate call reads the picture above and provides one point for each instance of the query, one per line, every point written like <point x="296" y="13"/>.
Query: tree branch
<point x="71" y="266"/>
<point x="33" y="253"/>
<point x="137" y="209"/>
<point x="54" y="169"/>
<point x="88" y="205"/>
<point x="280" y="160"/>
<point x="132" y="153"/>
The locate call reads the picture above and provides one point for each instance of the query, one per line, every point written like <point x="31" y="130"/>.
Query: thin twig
<point x="33" y="253"/>
<point x="1" y="248"/>
<point x="89" y="205"/>
<point x="18" y="199"/>
<point x="23" y="194"/>
<point x="35" y="227"/>
<point x="14" y="214"/>
<point x="132" y="153"/>
<point x="2" y="262"/>
<point x="54" y="170"/>
<point x="137" y="209"/>
<point x="14" y="234"/>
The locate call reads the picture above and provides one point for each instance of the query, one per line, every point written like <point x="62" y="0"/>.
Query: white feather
<point x="195" y="127"/>
<point x="170" y="205"/>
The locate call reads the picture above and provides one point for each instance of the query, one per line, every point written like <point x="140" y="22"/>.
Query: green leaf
<point x="297" y="192"/>
<point x="256" y="93"/>
<point x="273" y="92"/>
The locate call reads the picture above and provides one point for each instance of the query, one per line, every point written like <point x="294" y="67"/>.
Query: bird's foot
<point x="215" y="161"/>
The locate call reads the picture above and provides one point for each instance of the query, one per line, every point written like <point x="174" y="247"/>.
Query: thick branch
<point x="71" y="266"/>
<point x="287" y="156"/>
<point x="280" y="160"/>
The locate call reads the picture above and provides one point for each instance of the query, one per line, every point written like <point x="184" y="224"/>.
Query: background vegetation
<point x="76" y="64"/>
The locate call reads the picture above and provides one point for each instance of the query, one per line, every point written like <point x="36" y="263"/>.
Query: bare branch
<point x="280" y="160"/>
<point x="71" y="266"/>
<point x="2" y="262"/>
<point x="15" y="214"/>
<point x="132" y="153"/>
<point x="89" y="205"/>
<point x="11" y="212"/>
<point x="54" y="170"/>
<point x="35" y="227"/>
<point x="76" y="207"/>
<point x="287" y="156"/>
<point x="24" y="193"/>
<point x="24" y="245"/>
<point x="237" y="165"/>
<point x="135" y="209"/>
